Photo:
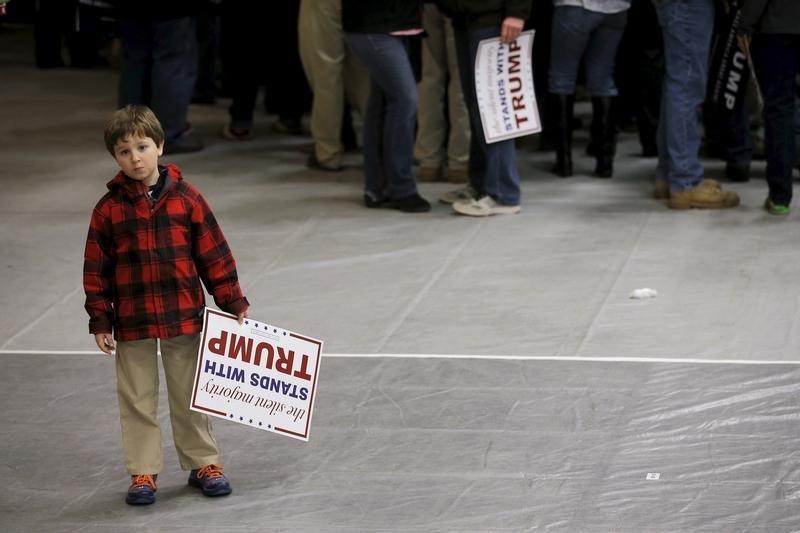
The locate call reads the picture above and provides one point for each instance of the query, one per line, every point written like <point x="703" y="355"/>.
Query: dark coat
<point x="482" y="13"/>
<point x="380" y="16"/>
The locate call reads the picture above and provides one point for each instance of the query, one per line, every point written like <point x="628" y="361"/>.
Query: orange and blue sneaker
<point x="142" y="490"/>
<point x="210" y="480"/>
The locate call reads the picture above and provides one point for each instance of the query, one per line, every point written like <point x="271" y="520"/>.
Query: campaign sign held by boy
<point x="256" y="374"/>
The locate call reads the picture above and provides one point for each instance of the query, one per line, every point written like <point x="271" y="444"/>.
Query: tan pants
<point x="137" y="390"/>
<point x="438" y="62"/>
<point x="333" y="71"/>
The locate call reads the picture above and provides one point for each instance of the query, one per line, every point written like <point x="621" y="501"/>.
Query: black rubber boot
<point x="562" y="122"/>
<point x="604" y="135"/>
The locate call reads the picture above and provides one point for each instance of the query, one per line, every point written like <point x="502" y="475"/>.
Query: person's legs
<point x="386" y="59"/>
<point x="288" y="95"/>
<point x="137" y="392"/>
<point x="375" y="180"/>
<point x="571" y="29"/>
<point x="240" y="38"/>
<point x="685" y="26"/>
<point x="459" y="134"/>
<point x="687" y="37"/>
<point x="649" y="65"/>
<point x="431" y="124"/>
<point x="738" y="144"/>
<point x="327" y="57"/>
<point x="776" y="58"/>
<point x="477" y="159"/>
<point x="191" y="430"/>
<point x="137" y="62"/>
<point x="600" y="57"/>
<point x="601" y="52"/>
<point x="50" y="23"/>
<point x="492" y="167"/>
<point x="662" y="166"/>
<point x="174" y="73"/>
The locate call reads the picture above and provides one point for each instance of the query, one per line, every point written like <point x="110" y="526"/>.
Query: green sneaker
<point x="776" y="209"/>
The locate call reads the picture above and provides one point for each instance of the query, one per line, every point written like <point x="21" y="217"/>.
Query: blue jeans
<point x="577" y="30"/>
<point x="159" y="69"/>
<point x="777" y="60"/>
<point x="492" y="167"/>
<point x="686" y="26"/>
<point x="390" y="117"/>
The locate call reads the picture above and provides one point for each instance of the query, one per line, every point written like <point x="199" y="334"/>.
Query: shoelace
<point x="210" y="471"/>
<point x="144" y="480"/>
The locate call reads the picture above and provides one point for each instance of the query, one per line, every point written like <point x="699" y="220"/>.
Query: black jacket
<point x="482" y="13"/>
<point x="380" y="16"/>
<point x="771" y="16"/>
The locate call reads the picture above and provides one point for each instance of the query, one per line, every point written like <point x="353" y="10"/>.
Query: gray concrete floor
<point x="574" y="392"/>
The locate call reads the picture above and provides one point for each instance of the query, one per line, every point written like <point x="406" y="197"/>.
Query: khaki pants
<point x="438" y="63"/>
<point x="137" y="390"/>
<point x="333" y="71"/>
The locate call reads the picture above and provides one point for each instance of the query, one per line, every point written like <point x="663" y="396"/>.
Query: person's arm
<point x="214" y="261"/>
<point x="98" y="272"/>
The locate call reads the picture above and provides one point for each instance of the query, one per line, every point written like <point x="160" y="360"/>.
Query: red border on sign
<point x="313" y="388"/>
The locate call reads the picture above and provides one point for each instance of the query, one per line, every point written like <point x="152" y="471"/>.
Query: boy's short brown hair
<point x="132" y="120"/>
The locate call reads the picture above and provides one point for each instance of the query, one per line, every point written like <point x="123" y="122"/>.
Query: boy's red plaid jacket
<point x="144" y="261"/>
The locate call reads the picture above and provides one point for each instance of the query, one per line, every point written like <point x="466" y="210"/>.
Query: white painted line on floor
<point x="672" y="360"/>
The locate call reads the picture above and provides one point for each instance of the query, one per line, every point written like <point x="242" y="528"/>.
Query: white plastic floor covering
<point x="676" y="413"/>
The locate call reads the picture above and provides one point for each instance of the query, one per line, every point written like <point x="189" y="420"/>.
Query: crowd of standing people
<point x="397" y="78"/>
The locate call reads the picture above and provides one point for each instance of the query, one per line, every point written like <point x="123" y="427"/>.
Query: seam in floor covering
<point x="573" y="359"/>
<point x="455" y="252"/>
<point x="41" y="317"/>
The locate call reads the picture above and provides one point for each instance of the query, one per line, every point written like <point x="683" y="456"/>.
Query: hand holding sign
<point x="510" y="29"/>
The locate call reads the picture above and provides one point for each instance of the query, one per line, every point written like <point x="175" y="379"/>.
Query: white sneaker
<point x="484" y="207"/>
<point x="459" y="195"/>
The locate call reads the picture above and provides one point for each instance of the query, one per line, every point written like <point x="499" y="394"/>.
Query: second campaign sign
<point x="504" y="88"/>
<point x="256" y="374"/>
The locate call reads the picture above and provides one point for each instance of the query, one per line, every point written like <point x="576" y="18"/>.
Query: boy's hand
<point x="105" y="341"/>
<point x="242" y="315"/>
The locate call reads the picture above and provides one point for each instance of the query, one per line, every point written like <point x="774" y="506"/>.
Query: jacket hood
<point x="132" y="187"/>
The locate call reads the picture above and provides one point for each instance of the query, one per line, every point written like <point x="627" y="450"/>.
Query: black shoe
<point x="410" y="204"/>
<point x="372" y="203"/>
<point x="314" y="164"/>
<point x="737" y="173"/>
<point x="183" y="145"/>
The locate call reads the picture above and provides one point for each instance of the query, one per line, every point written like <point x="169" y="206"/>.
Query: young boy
<point x="152" y="239"/>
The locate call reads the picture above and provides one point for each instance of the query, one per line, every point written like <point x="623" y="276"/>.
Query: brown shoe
<point x="457" y="175"/>
<point x="429" y="174"/>
<point x="708" y="194"/>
